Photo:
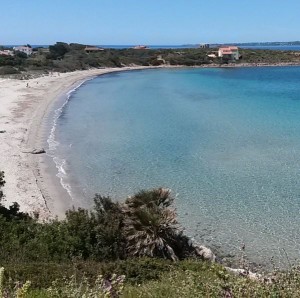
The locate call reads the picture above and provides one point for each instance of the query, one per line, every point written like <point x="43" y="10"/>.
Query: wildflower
<point x="22" y="291"/>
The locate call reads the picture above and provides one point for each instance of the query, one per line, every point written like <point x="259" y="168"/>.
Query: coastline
<point x="25" y="115"/>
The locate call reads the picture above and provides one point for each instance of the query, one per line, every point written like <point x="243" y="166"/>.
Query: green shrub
<point x="7" y="70"/>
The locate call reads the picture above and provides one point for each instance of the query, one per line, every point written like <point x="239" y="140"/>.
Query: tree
<point x="150" y="226"/>
<point x="59" y="50"/>
<point x="108" y="217"/>
<point x="21" y="55"/>
<point x="96" y="234"/>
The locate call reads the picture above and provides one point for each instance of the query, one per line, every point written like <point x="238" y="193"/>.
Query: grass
<point x="188" y="278"/>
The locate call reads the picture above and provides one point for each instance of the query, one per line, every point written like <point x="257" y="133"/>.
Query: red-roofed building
<point x="229" y="52"/>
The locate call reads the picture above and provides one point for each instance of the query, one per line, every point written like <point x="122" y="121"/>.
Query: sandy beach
<point x="25" y="107"/>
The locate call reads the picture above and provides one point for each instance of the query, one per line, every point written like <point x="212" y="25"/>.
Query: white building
<point x="23" y="49"/>
<point x="230" y="52"/>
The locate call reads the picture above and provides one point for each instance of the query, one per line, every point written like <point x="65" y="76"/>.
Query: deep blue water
<point x="226" y="141"/>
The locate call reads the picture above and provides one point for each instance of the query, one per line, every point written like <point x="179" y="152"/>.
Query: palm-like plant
<point x="150" y="226"/>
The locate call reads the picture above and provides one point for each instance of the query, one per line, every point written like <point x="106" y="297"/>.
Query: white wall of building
<point x="26" y="50"/>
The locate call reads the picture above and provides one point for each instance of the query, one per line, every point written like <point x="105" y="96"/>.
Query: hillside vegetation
<point x="63" y="57"/>
<point x="130" y="249"/>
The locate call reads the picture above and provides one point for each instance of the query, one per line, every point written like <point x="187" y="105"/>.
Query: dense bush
<point x="94" y="235"/>
<point x="6" y="70"/>
<point x="83" y="234"/>
<point x="144" y="225"/>
<point x="58" y="50"/>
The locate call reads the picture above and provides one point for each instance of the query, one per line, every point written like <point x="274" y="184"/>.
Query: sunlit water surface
<point x="226" y="141"/>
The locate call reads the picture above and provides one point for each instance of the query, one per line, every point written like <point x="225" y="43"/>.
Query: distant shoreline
<point x="279" y="64"/>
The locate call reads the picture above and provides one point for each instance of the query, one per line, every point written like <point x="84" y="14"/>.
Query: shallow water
<point x="226" y="141"/>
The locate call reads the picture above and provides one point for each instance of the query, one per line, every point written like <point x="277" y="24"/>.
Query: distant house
<point x="140" y="47"/>
<point x="24" y="49"/>
<point x="6" y="53"/>
<point x="229" y="52"/>
<point x="93" y="49"/>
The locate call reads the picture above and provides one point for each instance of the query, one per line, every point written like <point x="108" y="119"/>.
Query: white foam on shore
<point x="53" y="143"/>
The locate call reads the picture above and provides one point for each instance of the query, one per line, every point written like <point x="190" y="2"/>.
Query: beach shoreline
<point x="26" y="113"/>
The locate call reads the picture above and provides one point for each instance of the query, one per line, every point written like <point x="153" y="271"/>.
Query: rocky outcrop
<point x="204" y="252"/>
<point x="245" y="273"/>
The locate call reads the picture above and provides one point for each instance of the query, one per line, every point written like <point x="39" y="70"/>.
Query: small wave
<point x="62" y="174"/>
<point x="53" y="143"/>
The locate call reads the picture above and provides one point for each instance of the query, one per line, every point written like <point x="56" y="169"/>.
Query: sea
<point x="226" y="141"/>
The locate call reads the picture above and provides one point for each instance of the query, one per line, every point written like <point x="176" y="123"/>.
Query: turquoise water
<point x="226" y="141"/>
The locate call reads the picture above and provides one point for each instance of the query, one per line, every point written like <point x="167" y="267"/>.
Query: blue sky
<point x="170" y="22"/>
